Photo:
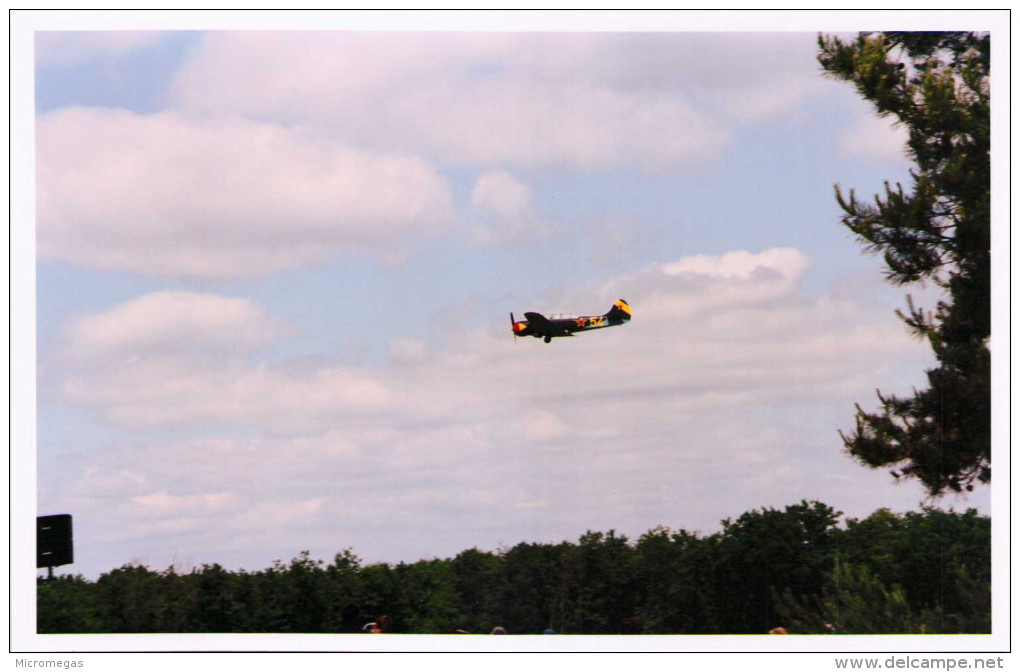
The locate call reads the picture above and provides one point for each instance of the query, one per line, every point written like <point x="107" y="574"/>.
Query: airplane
<point x="548" y="328"/>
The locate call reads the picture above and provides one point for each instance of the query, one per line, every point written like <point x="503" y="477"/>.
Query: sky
<point x="275" y="271"/>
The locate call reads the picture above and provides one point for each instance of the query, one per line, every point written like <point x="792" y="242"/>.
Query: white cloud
<point x="60" y="48"/>
<point x="541" y="424"/>
<point x="172" y="358"/>
<point x="703" y="286"/>
<point x="173" y="392"/>
<point x="169" y="196"/>
<point x="732" y="326"/>
<point x="407" y="350"/>
<point x="874" y="138"/>
<point x="505" y="211"/>
<point x="286" y="513"/>
<point x="772" y="264"/>
<point x="164" y="504"/>
<point x="173" y="322"/>
<point x="503" y="195"/>
<point x="97" y="482"/>
<point x="728" y="377"/>
<point x="594" y="101"/>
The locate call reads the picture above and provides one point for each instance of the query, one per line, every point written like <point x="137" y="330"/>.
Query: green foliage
<point x="67" y="604"/>
<point x="343" y="593"/>
<point x="129" y="599"/>
<point x="597" y="593"/>
<point x="936" y="85"/>
<point x="855" y="601"/>
<point x="768" y="567"/>
<point x="769" y="549"/>
<point x="476" y="574"/>
<point x="430" y="587"/>
<point x="674" y="590"/>
<point x="922" y="551"/>
<point x="533" y="587"/>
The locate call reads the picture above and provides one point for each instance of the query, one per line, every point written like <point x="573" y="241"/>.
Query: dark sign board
<point x="54" y="544"/>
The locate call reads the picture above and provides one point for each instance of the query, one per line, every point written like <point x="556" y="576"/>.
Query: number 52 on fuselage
<point x="548" y="328"/>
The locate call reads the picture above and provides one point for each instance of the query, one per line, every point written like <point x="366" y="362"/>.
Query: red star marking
<point x="580" y="322"/>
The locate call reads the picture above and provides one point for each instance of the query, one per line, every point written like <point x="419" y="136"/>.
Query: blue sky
<point x="275" y="270"/>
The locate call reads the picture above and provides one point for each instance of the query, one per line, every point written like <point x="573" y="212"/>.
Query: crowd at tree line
<point x="799" y="568"/>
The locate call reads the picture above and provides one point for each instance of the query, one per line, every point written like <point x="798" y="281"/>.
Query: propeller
<point x="513" y="325"/>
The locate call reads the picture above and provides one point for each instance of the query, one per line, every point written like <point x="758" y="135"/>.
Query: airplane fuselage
<point x="548" y="328"/>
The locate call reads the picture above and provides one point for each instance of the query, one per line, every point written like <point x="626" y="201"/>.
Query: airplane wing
<point x="541" y="324"/>
<point x="537" y="319"/>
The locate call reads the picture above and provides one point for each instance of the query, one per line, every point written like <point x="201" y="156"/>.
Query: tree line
<point x="797" y="568"/>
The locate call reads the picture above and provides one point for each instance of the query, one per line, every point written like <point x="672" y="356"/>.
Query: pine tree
<point x="854" y="602"/>
<point x="936" y="85"/>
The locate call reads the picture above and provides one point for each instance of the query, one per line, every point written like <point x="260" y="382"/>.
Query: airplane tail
<point x="619" y="313"/>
